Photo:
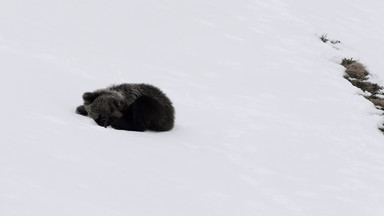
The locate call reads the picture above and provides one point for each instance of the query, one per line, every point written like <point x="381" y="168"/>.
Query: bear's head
<point x="102" y="106"/>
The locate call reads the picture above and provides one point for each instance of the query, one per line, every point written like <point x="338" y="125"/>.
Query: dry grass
<point x="357" y="70"/>
<point x="345" y="62"/>
<point x="372" y="88"/>
<point x="324" y="38"/>
<point x="335" y="41"/>
<point x="378" y="103"/>
<point x="357" y="75"/>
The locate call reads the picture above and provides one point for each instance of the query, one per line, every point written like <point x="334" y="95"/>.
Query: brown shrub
<point x="345" y="62"/>
<point x="357" y="74"/>
<point x="357" y="70"/>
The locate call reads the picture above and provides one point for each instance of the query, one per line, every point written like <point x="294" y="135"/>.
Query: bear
<point x="131" y="107"/>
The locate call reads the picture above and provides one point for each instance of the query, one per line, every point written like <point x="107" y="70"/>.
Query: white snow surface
<point x="265" y="122"/>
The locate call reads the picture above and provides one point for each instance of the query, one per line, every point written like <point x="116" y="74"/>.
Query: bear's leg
<point x="81" y="110"/>
<point x="126" y="123"/>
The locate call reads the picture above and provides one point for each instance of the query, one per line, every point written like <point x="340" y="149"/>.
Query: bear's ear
<point x="81" y="110"/>
<point x="89" y="97"/>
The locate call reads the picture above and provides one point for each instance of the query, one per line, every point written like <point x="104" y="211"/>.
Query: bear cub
<point x="132" y="107"/>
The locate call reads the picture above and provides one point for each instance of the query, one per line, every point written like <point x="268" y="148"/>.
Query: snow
<point x="265" y="122"/>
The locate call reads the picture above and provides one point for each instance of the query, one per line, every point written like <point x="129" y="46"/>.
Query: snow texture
<point x="265" y="122"/>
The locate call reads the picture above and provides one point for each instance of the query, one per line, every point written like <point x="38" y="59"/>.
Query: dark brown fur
<point x="133" y="107"/>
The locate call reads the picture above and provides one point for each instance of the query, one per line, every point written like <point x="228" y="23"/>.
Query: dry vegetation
<point x="357" y="74"/>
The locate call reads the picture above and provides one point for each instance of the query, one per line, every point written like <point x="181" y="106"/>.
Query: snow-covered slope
<point x="266" y="124"/>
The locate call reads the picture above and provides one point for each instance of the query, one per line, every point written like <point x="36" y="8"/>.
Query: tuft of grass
<point x="345" y="62"/>
<point x="335" y="41"/>
<point x="378" y="103"/>
<point x="372" y="97"/>
<point x="324" y="38"/>
<point x="357" y="70"/>
<point x="381" y="129"/>
<point x="372" y="88"/>
<point x="357" y="74"/>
